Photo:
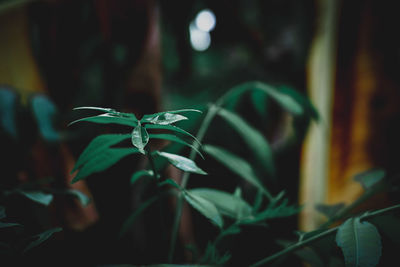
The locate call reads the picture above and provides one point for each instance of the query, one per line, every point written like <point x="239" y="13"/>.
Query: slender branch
<point x="300" y="244"/>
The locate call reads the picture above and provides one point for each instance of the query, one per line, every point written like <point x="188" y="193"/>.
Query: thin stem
<point x="212" y="111"/>
<point x="300" y="244"/>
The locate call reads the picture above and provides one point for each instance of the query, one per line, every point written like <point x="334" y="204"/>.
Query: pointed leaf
<point x="140" y="138"/>
<point x="37" y="196"/>
<point x="170" y="128"/>
<point x="205" y="207"/>
<point x="151" y="117"/>
<point x="139" y="174"/>
<point x="360" y="243"/>
<point x="370" y="178"/>
<point x="227" y="204"/>
<point x="253" y="138"/>
<point x="236" y="165"/>
<point x="7" y="224"/>
<point x="108" y="118"/>
<point x="164" y="119"/>
<point x="182" y="163"/>
<point x="170" y="182"/>
<point x="40" y="238"/>
<point x="83" y="199"/>
<point x="97" y="145"/>
<point x="330" y="210"/>
<point x="176" y="139"/>
<point x="102" y="161"/>
<point x="111" y="111"/>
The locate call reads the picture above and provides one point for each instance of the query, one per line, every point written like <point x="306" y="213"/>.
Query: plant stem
<point x="212" y="111"/>
<point x="303" y="243"/>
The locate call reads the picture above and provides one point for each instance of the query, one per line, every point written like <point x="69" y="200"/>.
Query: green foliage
<point x="182" y="163"/>
<point x="360" y="243"/>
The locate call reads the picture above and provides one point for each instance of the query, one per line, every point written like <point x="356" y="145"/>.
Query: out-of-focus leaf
<point x="108" y="118"/>
<point x="97" y="146"/>
<point x="176" y="139"/>
<point x="37" y="196"/>
<point x="360" y="243"/>
<point x="330" y="210"/>
<point x="140" y="138"/>
<point x="259" y="100"/>
<point x="205" y="207"/>
<point x="2" y="212"/>
<point x="182" y="163"/>
<point x="8" y="224"/>
<point x="42" y="237"/>
<point x="369" y="178"/>
<point x="236" y="165"/>
<point x="8" y="100"/>
<point x="227" y="204"/>
<point x="102" y="161"/>
<point x="44" y="112"/>
<point x="83" y="199"/>
<point x="253" y="138"/>
<point x="170" y="182"/>
<point x="139" y="174"/>
<point x="304" y="101"/>
<point x="170" y="128"/>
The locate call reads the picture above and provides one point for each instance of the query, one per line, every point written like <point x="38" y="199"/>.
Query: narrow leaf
<point x="170" y="182"/>
<point x="170" y="128"/>
<point x="102" y="161"/>
<point x="108" y="118"/>
<point x="40" y="238"/>
<point x="182" y="163"/>
<point x="37" y="196"/>
<point x="106" y="110"/>
<point x="176" y="139"/>
<point x="253" y="138"/>
<point x="205" y="207"/>
<point x="369" y="178"/>
<point x="227" y="204"/>
<point x="97" y="145"/>
<point x="164" y="118"/>
<point x="140" y="138"/>
<point x="148" y="117"/>
<point x="330" y="210"/>
<point x="83" y="199"/>
<point x="236" y="165"/>
<point x="360" y="243"/>
<point x="139" y="174"/>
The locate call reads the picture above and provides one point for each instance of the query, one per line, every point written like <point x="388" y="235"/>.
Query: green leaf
<point x="360" y="243"/>
<point x="2" y="212"/>
<point x="170" y="128"/>
<point x="164" y="119"/>
<point x="111" y="111"/>
<point x="253" y="138"/>
<point x="274" y="211"/>
<point x="139" y="174"/>
<point x="97" y="146"/>
<point x="140" y="138"/>
<point x="176" y="139"/>
<point x="170" y="182"/>
<point x="236" y="165"/>
<point x="205" y="207"/>
<point x="152" y="117"/>
<point x="83" y="199"/>
<point x="37" y="196"/>
<point x="330" y="210"/>
<point x="259" y="99"/>
<point x="7" y="224"/>
<point x="227" y="204"/>
<point x="182" y="163"/>
<point x="102" y="161"/>
<point x="40" y="238"/>
<point x="108" y="118"/>
<point x="44" y="111"/>
<point x="285" y="100"/>
<point x="370" y="178"/>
